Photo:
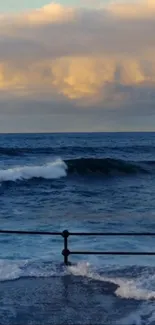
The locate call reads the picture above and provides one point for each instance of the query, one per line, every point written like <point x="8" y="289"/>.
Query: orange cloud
<point x="50" y="13"/>
<point x="133" y="10"/>
<point x="82" y="55"/>
<point x="53" y="12"/>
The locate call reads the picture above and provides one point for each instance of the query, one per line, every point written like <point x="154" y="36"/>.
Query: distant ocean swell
<point x="18" y="151"/>
<point x="82" y="166"/>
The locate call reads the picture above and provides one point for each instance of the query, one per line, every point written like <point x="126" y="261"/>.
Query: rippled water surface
<point x="80" y="182"/>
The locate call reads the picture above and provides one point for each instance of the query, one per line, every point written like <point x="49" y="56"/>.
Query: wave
<point x="82" y="166"/>
<point x="72" y="149"/>
<point x="18" y="151"/>
<point x="139" y="290"/>
<point x="125" y="288"/>
<point x="119" y="286"/>
<point x="105" y="166"/>
<point x="53" y="170"/>
<point x="99" y="294"/>
<point x="16" y="269"/>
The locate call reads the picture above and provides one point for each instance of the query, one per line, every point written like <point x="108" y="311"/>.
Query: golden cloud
<point x="79" y="54"/>
<point x="76" y="77"/>
<point x="50" y="13"/>
<point x="133" y="10"/>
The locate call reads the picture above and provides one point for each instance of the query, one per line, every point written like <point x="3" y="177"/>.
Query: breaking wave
<point x="105" y="166"/>
<point x="124" y="288"/>
<point x="116" y="291"/>
<point x="53" y="170"/>
<point x="59" y="168"/>
<point x="137" y="289"/>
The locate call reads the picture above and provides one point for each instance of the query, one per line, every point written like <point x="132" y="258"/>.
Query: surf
<point x="52" y="170"/>
<point x="58" y="168"/>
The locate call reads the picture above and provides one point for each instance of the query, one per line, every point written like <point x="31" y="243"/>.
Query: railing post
<point x="65" y="252"/>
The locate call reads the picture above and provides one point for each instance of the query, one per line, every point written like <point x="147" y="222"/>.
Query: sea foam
<point x="127" y="288"/>
<point x="52" y="170"/>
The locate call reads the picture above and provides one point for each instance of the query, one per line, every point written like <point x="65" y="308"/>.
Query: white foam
<point x="11" y="270"/>
<point x="52" y="170"/>
<point x="128" y="289"/>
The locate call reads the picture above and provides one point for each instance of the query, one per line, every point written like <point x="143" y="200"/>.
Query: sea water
<point x="80" y="182"/>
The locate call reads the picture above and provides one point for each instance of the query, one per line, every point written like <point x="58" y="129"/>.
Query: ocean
<point x="89" y="182"/>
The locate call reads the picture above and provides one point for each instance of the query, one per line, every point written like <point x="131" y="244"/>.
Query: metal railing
<point x="66" y="234"/>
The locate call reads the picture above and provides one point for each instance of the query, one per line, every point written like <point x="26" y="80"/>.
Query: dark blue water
<point x="82" y="182"/>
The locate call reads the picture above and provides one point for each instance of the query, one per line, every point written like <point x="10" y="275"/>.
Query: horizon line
<point x="73" y="132"/>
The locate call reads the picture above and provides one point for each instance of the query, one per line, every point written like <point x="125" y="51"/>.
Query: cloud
<point x="53" y="12"/>
<point x="141" y="9"/>
<point x="85" y="57"/>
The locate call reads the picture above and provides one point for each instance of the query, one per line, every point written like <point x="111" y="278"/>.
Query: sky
<point x="21" y="5"/>
<point x="77" y="66"/>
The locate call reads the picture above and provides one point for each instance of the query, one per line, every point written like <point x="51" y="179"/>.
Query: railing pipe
<point x="110" y="253"/>
<point x="112" y="234"/>
<point x="31" y="232"/>
<point x="65" y="234"/>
